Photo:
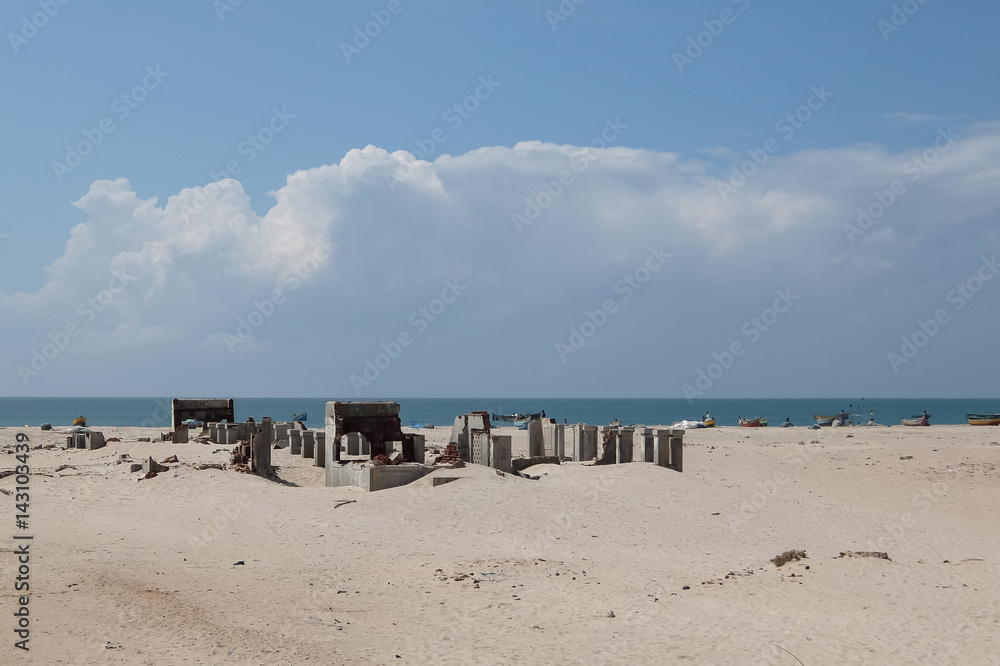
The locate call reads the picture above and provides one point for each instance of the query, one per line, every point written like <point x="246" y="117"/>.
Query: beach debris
<point x="342" y="503"/>
<point x="149" y="475"/>
<point x="686" y="587"/>
<point x="210" y="466"/>
<point x="45" y="426"/>
<point x="22" y="437"/>
<point x="611" y="614"/>
<point x="240" y="563"/>
<point x="113" y="439"/>
<point x="788" y="556"/>
<point x="151" y="466"/>
<point x="143" y="439"/>
<point x="62" y="467"/>
<point x="866" y="553"/>
<point x="449" y="456"/>
<point x="906" y="457"/>
<point x="170" y="459"/>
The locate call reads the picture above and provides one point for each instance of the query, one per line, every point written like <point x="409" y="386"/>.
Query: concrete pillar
<point x="319" y="448"/>
<point x="94" y="440"/>
<point x="260" y="448"/>
<point x="677" y="452"/>
<point x="536" y="442"/>
<point x="308" y="443"/>
<point x="500" y="452"/>
<point x="181" y="434"/>
<point x="625" y="437"/>
<point x="661" y="448"/>
<point x="354" y="446"/>
<point x="295" y="442"/>
<point x="419" y="448"/>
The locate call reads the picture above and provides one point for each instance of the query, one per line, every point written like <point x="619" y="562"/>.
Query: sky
<point x="521" y="199"/>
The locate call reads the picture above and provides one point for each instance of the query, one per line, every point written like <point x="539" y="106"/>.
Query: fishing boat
<point x="514" y="418"/>
<point x="983" y="419"/>
<point x="824" y="421"/>
<point x="80" y="421"/>
<point x="757" y="422"/>
<point x="820" y="417"/>
<point x="299" y="417"/>
<point x="710" y="423"/>
<point x="916" y="421"/>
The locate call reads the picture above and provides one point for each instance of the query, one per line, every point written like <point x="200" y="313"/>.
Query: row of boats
<point x="824" y="420"/>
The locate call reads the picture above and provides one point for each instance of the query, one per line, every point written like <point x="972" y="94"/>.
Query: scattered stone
<point x="788" y="556"/>
<point x="686" y="587"/>
<point x="611" y="613"/>
<point x="241" y="562"/>
<point x="143" y="439"/>
<point x="152" y="466"/>
<point x="867" y="553"/>
<point x="149" y="475"/>
<point x="62" y="467"/>
<point x="171" y="459"/>
<point x="906" y="457"/>
<point x="210" y="466"/>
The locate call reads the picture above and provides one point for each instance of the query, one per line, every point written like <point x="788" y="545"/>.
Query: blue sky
<point x="366" y="175"/>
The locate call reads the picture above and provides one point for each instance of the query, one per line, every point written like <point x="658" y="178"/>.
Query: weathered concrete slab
<point x="202" y="409"/>
<point x="374" y="478"/>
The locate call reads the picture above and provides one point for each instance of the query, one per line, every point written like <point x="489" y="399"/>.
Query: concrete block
<point x="135" y="467"/>
<point x="295" y="442"/>
<point x="281" y="434"/>
<point x="661" y="448"/>
<point x="480" y="448"/>
<point x="419" y="448"/>
<point x="500" y="453"/>
<point x="80" y="440"/>
<point x="354" y="446"/>
<point x="374" y="478"/>
<point x="536" y="441"/>
<point x="319" y="448"/>
<point x="677" y="452"/>
<point x="151" y="465"/>
<point x="308" y="444"/>
<point x="624" y="450"/>
<point x="94" y="440"/>
<point x="181" y="434"/>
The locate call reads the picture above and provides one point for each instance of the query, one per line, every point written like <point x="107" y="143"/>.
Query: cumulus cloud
<point x="539" y="234"/>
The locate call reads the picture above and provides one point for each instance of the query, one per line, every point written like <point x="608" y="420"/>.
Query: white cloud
<point x="204" y="258"/>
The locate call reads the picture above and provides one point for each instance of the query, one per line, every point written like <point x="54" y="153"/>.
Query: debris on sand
<point x="788" y="556"/>
<point x="867" y="553"/>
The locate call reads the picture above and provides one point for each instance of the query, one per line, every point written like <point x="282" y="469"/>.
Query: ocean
<point x="155" y="412"/>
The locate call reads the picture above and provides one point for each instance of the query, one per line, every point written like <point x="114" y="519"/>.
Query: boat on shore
<point x="757" y="422"/>
<point x="299" y="417"/>
<point x="515" y="418"/>
<point x="917" y="421"/>
<point x="710" y="423"/>
<point x="983" y="419"/>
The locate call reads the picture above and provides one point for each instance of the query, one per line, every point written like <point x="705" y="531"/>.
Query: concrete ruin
<point x="360" y="431"/>
<point x="201" y="409"/>
<point x="86" y="440"/>
<point x="662" y="447"/>
<point x="373" y="477"/>
<point x="464" y="428"/>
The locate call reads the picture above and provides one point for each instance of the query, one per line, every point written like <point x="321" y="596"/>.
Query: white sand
<point x="142" y="572"/>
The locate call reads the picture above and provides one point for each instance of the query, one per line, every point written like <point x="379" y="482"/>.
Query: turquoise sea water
<point x="155" y="412"/>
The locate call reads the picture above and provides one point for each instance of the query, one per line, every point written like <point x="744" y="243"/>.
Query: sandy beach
<point x="620" y="564"/>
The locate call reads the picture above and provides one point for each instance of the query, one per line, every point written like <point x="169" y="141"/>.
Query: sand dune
<point x="586" y="565"/>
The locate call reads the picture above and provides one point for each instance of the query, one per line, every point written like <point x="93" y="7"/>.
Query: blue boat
<point x="299" y="417"/>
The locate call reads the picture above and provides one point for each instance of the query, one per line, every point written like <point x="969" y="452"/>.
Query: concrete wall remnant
<point x="202" y="409"/>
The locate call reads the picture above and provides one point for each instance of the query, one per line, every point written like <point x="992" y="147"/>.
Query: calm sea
<point x="155" y="412"/>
